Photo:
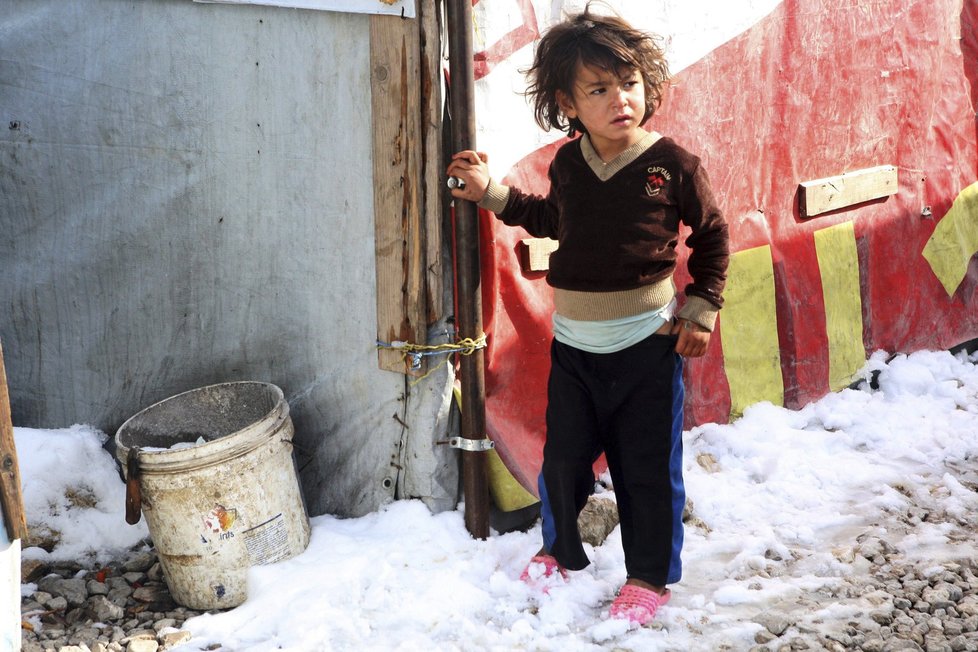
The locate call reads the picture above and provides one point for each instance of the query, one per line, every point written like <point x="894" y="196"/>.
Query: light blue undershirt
<point x="611" y="335"/>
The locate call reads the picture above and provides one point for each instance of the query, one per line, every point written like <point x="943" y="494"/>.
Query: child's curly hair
<point x="603" y="41"/>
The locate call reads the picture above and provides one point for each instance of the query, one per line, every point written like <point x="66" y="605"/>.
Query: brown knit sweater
<point x="617" y="225"/>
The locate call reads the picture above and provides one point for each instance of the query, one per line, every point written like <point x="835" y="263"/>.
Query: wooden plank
<point x="11" y="498"/>
<point x="535" y="253"/>
<point x="833" y="193"/>
<point x="398" y="177"/>
<point x="434" y="204"/>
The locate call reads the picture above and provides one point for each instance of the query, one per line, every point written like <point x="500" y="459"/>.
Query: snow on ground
<point x="785" y="505"/>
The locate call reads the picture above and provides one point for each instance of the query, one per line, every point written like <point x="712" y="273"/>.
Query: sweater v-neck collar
<point x="605" y="171"/>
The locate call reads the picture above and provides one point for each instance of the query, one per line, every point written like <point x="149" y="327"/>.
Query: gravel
<point x="122" y="607"/>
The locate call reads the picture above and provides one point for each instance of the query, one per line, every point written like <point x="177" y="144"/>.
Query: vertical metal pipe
<point x="475" y="479"/>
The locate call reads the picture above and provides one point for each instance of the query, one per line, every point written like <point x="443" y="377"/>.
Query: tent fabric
<point x="809" y="90"/>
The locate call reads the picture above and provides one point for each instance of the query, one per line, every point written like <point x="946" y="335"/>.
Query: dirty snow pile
<point x="791" y="512"/>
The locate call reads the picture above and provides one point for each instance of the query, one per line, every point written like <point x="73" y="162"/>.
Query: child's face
<point x="610" y="107"/>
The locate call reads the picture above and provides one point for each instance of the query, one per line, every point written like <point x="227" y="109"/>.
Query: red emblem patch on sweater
<point x="658" y="177"/>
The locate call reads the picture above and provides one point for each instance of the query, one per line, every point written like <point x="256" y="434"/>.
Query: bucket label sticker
<point x="219" y="521"/>
<point x="267" y="542"/>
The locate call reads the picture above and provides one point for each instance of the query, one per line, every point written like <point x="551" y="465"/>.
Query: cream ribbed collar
<point x="605" y="171"/>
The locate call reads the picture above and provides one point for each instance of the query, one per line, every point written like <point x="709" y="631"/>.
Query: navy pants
<point x="628" y="404"/>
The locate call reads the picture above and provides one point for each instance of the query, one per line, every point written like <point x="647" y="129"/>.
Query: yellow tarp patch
<point x="751" y="354"/>
<point x="506" y="492"/>
<point x="955" y="240"/>
<point x="838" y="265"/>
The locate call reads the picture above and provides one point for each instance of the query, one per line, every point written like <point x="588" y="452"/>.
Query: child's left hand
<point x="693" y="338"/>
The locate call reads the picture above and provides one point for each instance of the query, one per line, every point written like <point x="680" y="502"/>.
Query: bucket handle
<point x="133" y="493"/>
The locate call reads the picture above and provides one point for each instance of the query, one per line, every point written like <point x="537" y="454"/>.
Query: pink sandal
<point x="638" y="605"/>
<point x="541" y="569"/>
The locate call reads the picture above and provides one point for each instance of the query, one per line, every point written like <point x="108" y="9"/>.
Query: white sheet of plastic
<point x="185" y="199"/>
<point x="403" y="8"/>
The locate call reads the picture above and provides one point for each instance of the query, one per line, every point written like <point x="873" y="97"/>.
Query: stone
<point x="939" y="597"/>
<point x="774" y="623"/>
<point x="143" y="645"/>
<point x="163" y="623"/>
<point x="155" y="573"/>
<point x="58" y="603"/>
<point x="597" y="520"/>
<point x="73" y="590"/>
<point x="31" y="570"/>
<point x="901" y="645"/>
<point x="882" y="616"/>
<point x="959" y="644"/>
<point x="152" y="593"/>
<point x="85" y="636"/>
<point x="104" y="610"/>
<point x="140" y="563"/>
<point x="763" y="636"/>
<point x="95" y="587"/>
<point x="172" y="639"/>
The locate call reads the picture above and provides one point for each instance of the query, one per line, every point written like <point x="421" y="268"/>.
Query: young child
<point x="617" y="197"/>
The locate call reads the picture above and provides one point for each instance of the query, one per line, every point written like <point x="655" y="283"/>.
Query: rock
<point x="774" y="623"/>
<point x="968" y="605"/>
<point x="140" y="563"/>
<point x="84" y="637"/>
<point x="31" y="570"/>
<point x="882" y="616"/>
<point x="103" y="610"/>
<point x="172" y="639"/>
<point x="959" y="643"/>
<point x="155" y="573"/>
<point x="58" y="603"/>
<point x="914" y="588"/>
<point x="97" y="625"/>
<point x="900" y="645"/>
<point x="596" y="521"/>
<point x="73" y="590"/>
<point x="152" y="593"/>
<point x="143" y="645"/>
<point x="939" y="597"/>
<point x="96" y="588"/>
<point x="120" y="596"/>
<point x="164" y="623"/>
<point x="763" y="637"/>
<point x="708" y="462"/>
<point x="872" y="645"/>
<point x="936" y="645"/>
<point x="872" y="547"/>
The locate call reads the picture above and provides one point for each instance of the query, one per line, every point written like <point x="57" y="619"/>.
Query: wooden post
<point x="475" y="477"/>
<point x="11" y="498"/>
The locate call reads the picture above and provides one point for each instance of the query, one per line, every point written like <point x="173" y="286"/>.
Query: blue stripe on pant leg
<point x="676" y="472"/>
<point x="546" y="515"/>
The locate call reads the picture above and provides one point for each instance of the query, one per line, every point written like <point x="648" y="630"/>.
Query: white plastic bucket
<point x="216" y="508"/>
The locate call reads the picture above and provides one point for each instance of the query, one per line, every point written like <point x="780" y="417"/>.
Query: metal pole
<point x="475" y="479"/>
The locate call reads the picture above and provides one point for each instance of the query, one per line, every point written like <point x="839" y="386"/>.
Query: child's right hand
<point x="470" y="167"/>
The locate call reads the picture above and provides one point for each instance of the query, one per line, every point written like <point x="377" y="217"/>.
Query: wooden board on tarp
<point x="11" y="498"/>
<point x="399" y="229"/>
<point x="535" y="253"/>
<point x="844" y="190"/>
